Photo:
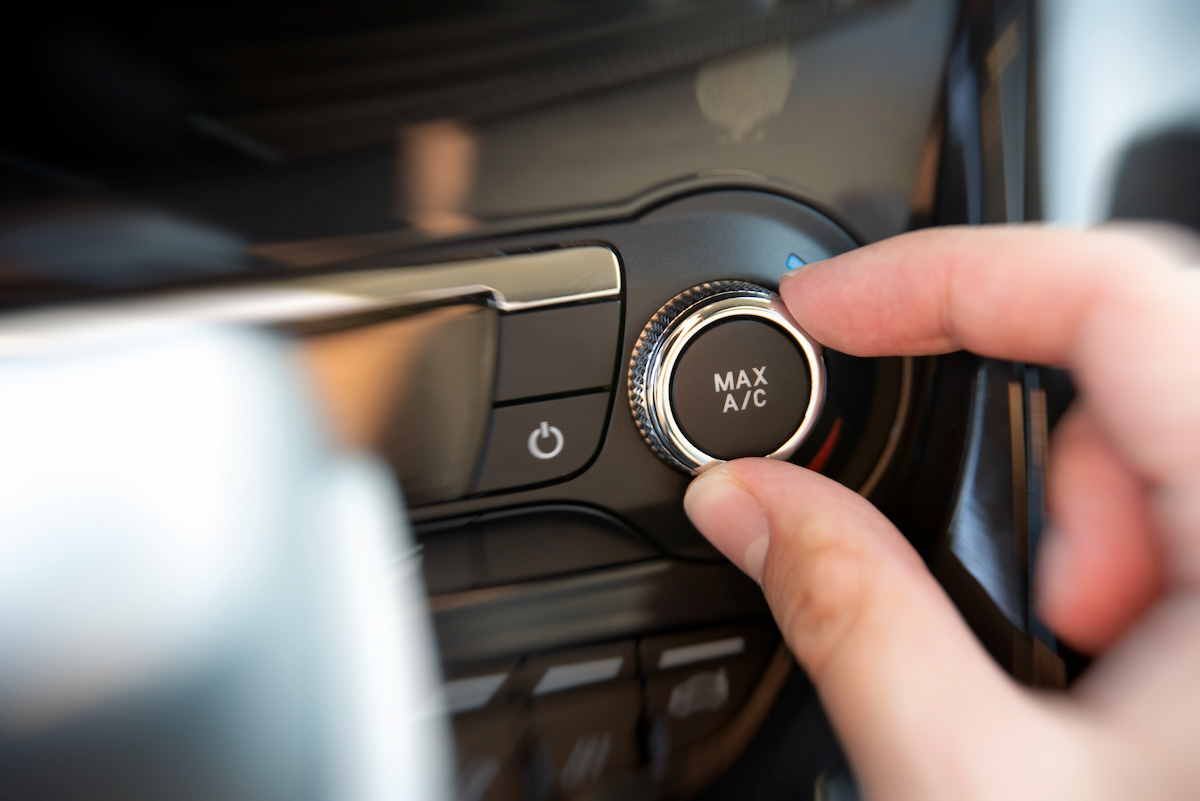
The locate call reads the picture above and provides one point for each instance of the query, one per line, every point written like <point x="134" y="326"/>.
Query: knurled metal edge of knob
<point x="648" y="344"/>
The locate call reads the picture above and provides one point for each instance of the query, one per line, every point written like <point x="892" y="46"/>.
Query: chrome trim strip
<point x="514" y="283"/>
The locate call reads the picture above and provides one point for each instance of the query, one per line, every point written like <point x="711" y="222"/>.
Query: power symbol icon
<point x="545" y="432"/>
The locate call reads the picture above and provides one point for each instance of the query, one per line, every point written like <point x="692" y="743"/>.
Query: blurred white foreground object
<point x="200" y="595"/>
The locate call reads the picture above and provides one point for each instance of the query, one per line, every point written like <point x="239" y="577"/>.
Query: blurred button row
<point x="548" y="726"/>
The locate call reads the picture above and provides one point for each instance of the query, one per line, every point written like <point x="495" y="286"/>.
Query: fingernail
<point x="795" y="268"/>
<point x="730" y="518"/>
<point x="792" y="273"/>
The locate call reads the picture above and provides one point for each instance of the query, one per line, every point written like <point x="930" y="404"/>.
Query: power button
<point x="540" y="441"/>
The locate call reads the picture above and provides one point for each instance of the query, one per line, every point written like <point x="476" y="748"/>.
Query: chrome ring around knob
<point x="665" y="338"/>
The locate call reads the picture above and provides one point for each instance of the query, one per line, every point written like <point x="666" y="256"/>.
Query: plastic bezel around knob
<point x="667" y="335"/>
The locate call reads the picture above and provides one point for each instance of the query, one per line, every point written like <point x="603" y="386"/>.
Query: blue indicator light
<point x="794" y="261"/>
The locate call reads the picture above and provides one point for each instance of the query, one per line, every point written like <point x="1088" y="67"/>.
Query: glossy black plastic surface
<point x="730" y="234"/>
<point x="553" y="351"/>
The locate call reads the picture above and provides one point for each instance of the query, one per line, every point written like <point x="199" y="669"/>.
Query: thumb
<point x="899" y="672"/>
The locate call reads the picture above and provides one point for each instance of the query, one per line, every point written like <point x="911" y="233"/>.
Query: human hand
<point x="920" y="708"/>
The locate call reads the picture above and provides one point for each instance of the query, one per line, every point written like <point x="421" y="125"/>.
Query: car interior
<point x="529" y="251"/>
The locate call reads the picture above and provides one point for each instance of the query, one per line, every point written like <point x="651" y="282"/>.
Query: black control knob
<point x="723" y="371"/>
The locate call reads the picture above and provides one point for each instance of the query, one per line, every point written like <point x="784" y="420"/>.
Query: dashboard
<point x="527" y="254"/>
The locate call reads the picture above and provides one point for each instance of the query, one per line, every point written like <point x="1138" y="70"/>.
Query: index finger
<point x="1114" y="304"/>
<point x="1017" y="293"/>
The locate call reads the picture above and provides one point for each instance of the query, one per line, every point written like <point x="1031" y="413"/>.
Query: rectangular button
<point x="676" y="651"/>
<point x="536" y="442"/>
<point x="567" y="670"/>
<point x="698" y="680"/>
<point x="565" y="349"/>
<point x="584" y="736"/>
<point x="684" y="655"/>
<point x="692" y="703"/>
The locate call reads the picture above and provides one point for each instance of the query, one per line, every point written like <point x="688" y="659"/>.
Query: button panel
<point x="531" y="443"/>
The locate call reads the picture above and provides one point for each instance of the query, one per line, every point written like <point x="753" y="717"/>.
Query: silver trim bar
<point x="514" y="283"/>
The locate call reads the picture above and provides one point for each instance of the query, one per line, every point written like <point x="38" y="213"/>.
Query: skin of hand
<point x="921" y="710"/>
